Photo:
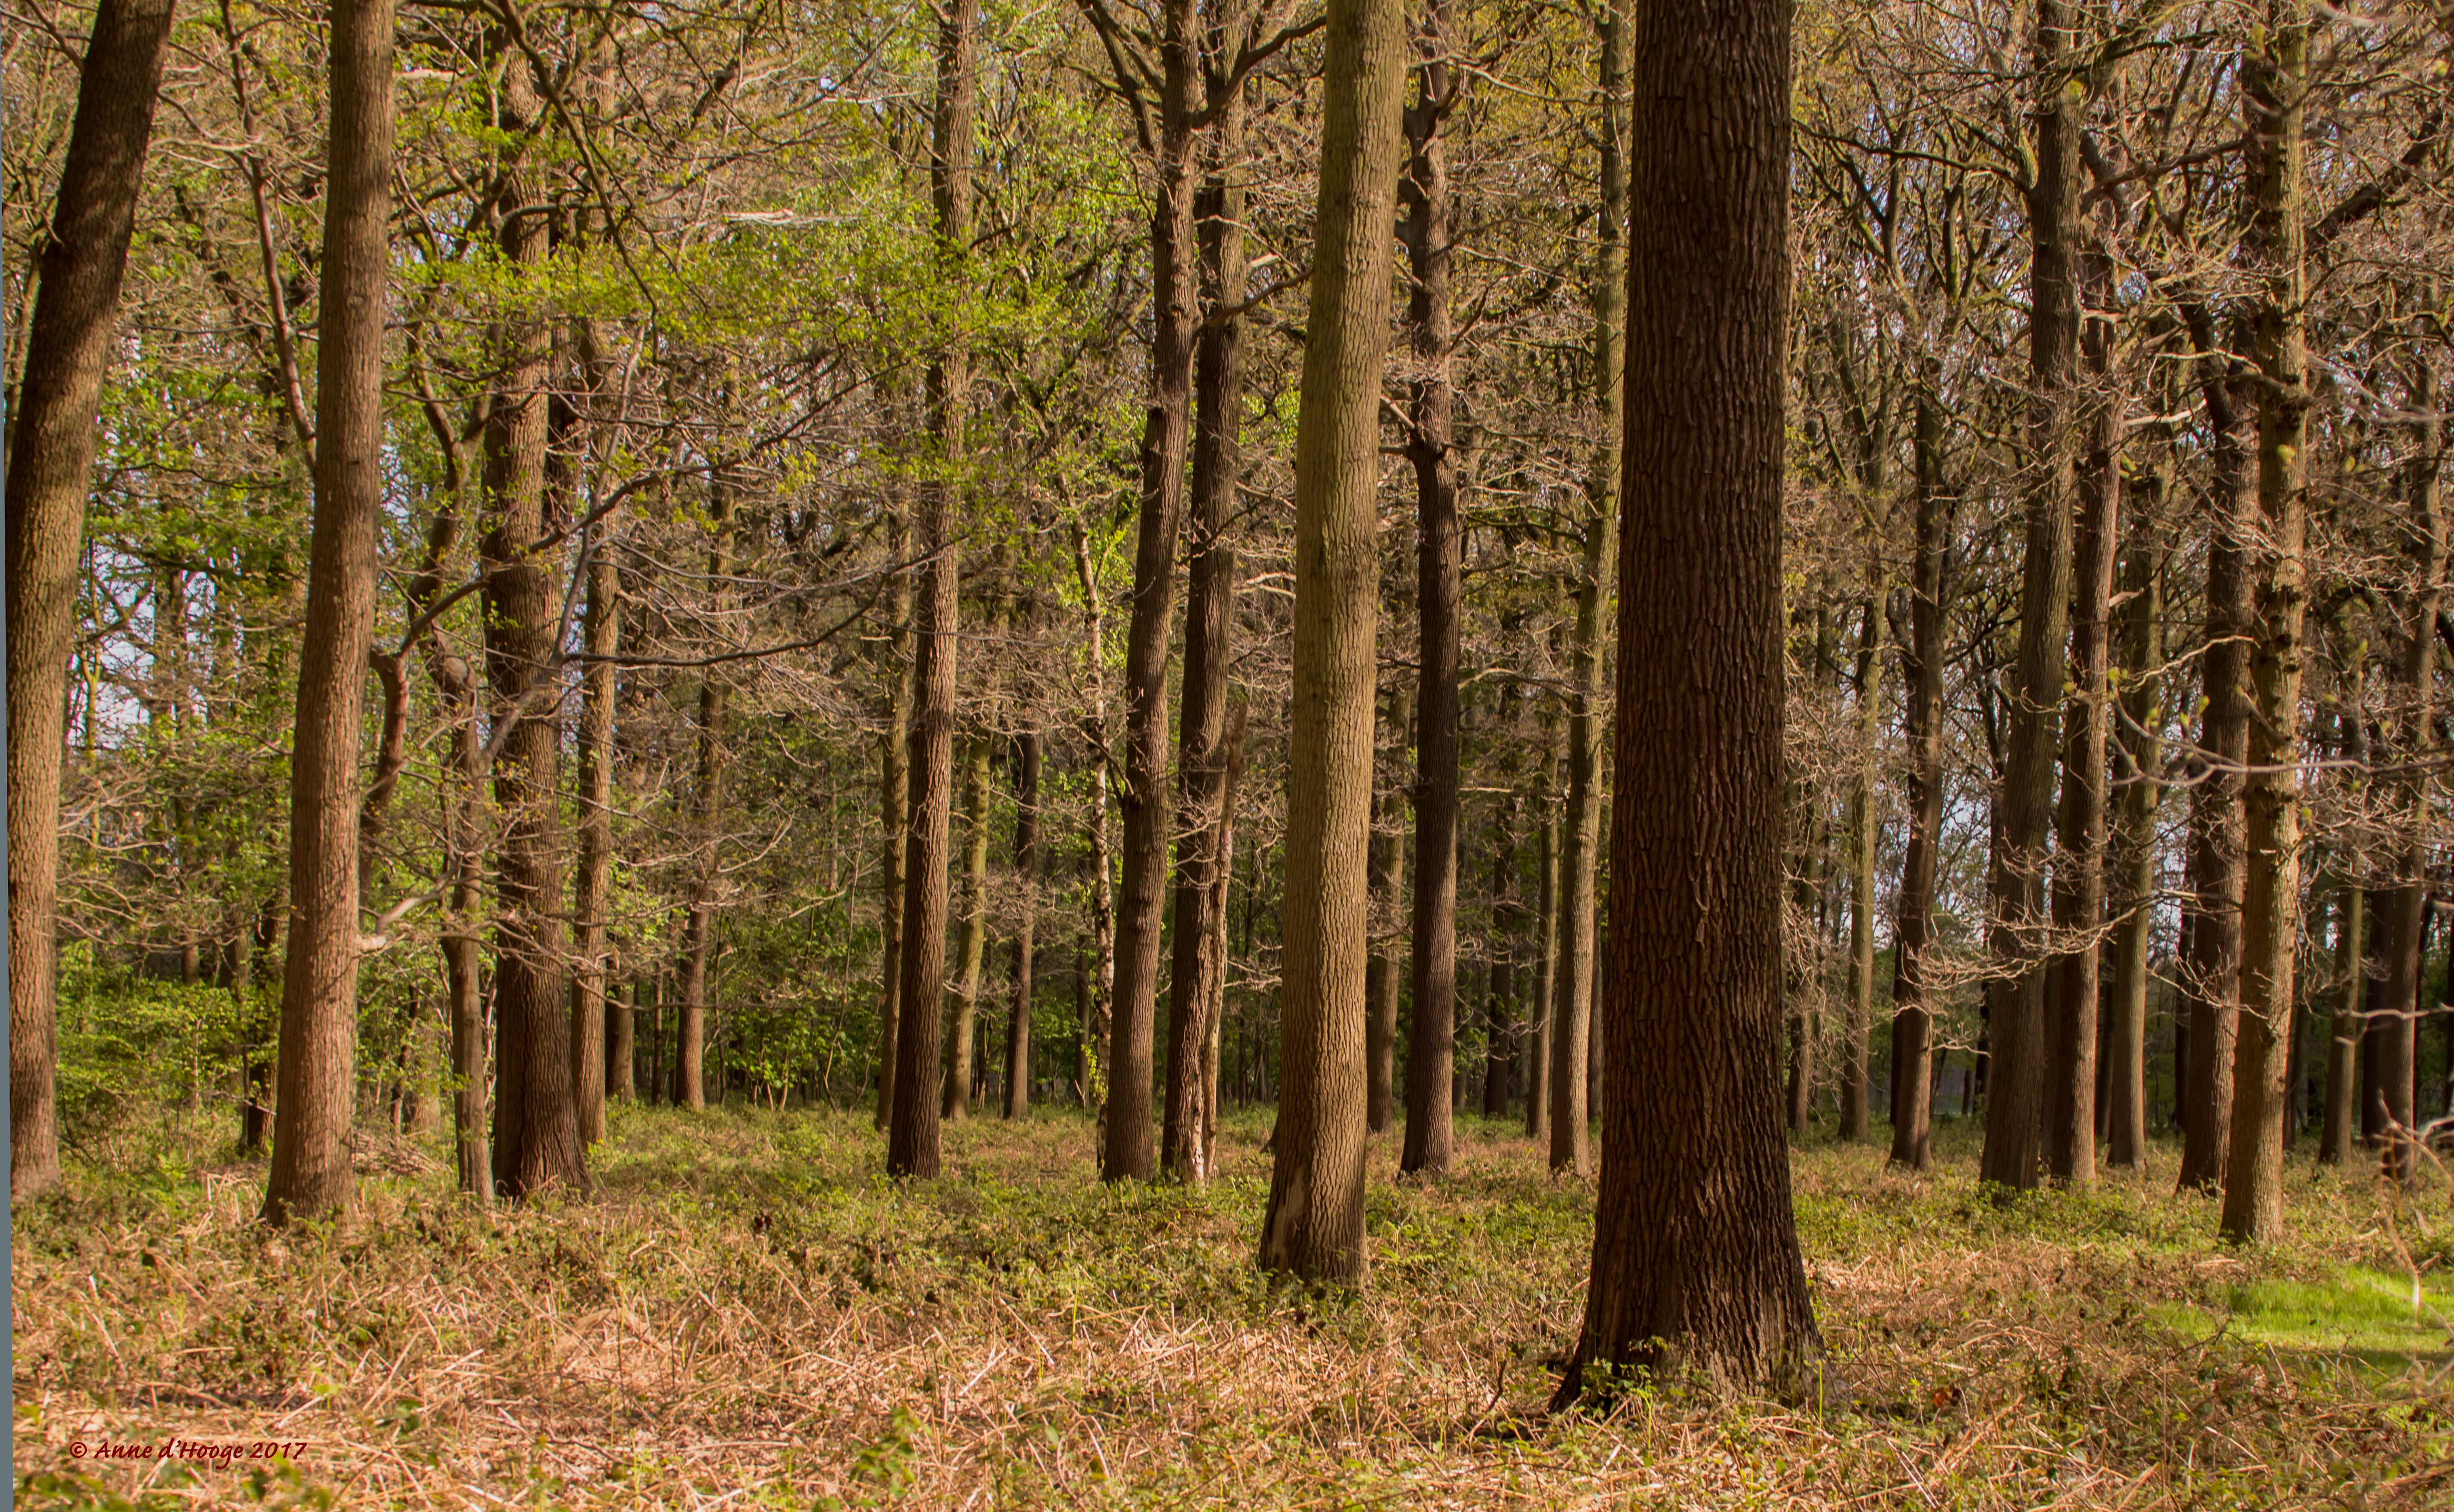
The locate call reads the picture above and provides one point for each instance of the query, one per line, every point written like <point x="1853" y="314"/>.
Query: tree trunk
<point x="319" y="1022"/>
<point x="1026" y="884"/>
<point x="2138" y="758"/>
<point x="593" y="1006"/>
<point x="1500" y="1050"/>
<point x="1312" y="1228"/>
<point x="51" y="443"/>
<point x="1431" y="1050"/>
<point x="893" y="798"/>
<point x="1546" y="971"/>
<point x="1862" y="878"/>
<point x="1570" y="1036"/>
<point x="2079" y="870"/>
<point x="2017" y="1095"/>
<point x="912" y="1131"/>
<point x="1696" y="1260"/>
<point x="2398" y="1030"/>
<point x="1388" y="871"/>
<point x="1922" y="667"/>
<point x="707" y="810"/>
<point x="2274" y="83"/>
<point x="955" y="1102"/>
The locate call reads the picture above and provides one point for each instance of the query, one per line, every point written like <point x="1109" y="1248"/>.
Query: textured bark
<point x="2397" y="1029"/>
<point x="2017" y="1093"/>
<point x="2343" y="1033"/>
<point x="955" y="1101"/>
<point x="593" y="1006"/>
<point x="50" y="461"/>
<point x="1388" y="873"/>
<point x="912" y="1129"/>
<point x="536" y="1131"/>
<point x="1192" y="1118"/>
<point x="2274" y="82"/>
<point x="1696" y="1260"/>
<point x="2081" y="824"/>
<point x="893" y="799"/>
<point x="1026" y="883"/>
<point x="1209" y="613"/>
<point x="1430" y="1049"/>
<point x="1099" y="977"/>
<point x="2138" y="758"/>
<point x="1572" y="1045"/>
<point x="1312" y="1228"/>
<point x="1861" y="883"/>
<point x="319" y="1021"/>
<point x="1922" y="667"/>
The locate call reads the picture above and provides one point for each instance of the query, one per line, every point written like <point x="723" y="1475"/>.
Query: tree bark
<point x="1546" y="971"/>
<point x="1431" y="1050"/>
<point x="51" y="441"/>
<point x="2397" y="1029"/>
<point x="1312" y="1228"/>
<point x="1696" y="1260"/>
<point x="593" y="1005"/>
<point x="1921" y="666"/>
<point x="2017" y="1093"/>
<point x="955" y="1101"/>
<point x="1388" y="871"/>
<point x="1572" y="1047"/>
<point x="892" y="801"/>
<point x="912" y="1131"/>
<point x="707" y="810"/>
<point x="2343" y="1033"/>
<point x="2274" y="83"/>
<point x="319" y="1022"/>
<point x="1500" y="1017"/>
<point x="2138" y="758"/>
<point x="1026" y="883"/>
<point x="1854" y="1098"/>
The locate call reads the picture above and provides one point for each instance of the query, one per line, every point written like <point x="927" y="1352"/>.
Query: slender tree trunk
<point x="593" y="1006"/>
<point x="1499" y="1051"/>
<point x="2398" y="1030"/>
<point x="310" y="1157"/>
<point x="1547" y="972"/>
<point x="955" y="1102"/>
<point x="893" y="797"/>
<point x="1854" y="1077"/>
<point x="2138" y="757"/>
<point x="51" y="441"/>
<point x="622" y="1047"/>
<point x="1572" y="1043"/>
<point x="1312" y="1228"/>
<point x="1026" y="882"/>
<point x="2079" y="870"/>
<point x="1806" y="978"/>
<point x="1696" y="1259"/>
<point x="2017" y="1100"/>
<point x="1921" y="666"/>
<point x="1431" y="1051"/>
<point x="707" y="810"/>
<point x="2274" y="83"/>
<point x="1388" y="871"/>
<point x="1090" y="1069"/>
<point x="912" y="1130"/>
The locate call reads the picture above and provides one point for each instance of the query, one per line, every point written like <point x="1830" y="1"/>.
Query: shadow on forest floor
<point x="746" y="1313"/>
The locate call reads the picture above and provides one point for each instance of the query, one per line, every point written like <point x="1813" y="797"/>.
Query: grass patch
<point x="747" y="1314"/>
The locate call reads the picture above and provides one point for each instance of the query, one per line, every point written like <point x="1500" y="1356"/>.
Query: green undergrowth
<point x="745" y="1312"/>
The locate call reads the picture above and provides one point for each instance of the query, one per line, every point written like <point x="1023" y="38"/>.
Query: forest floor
<point x="747" y="1315"/>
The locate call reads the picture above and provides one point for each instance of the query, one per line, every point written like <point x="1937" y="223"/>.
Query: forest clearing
<point x="749" y="1315"/>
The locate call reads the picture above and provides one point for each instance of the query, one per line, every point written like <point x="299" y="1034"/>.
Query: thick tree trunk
<point x="893" y="798"/>
<point x="50" y="461"/>
<point x="1209" y="618"/>
<point x="912" y="1130"/>
<point x="1313" y="1226"/>
<point x="1572" y="1045"/>
<point x="1921" y="666"/>
<point x="1696" y="1260"/>
<point x="2016" y="1096"/>
<point x="2274" y="83"/>
<point x="2079" y="869"/>
<point x="1026" y="884"/>
<point x="593" y="1005"/>
<point x="1854" y="1098"/>
<point x="319" y="1022"/>
<point x="955" y="1102"/>
<point x="1431" y="1050"/>
<point x="2138" y="758"/>
<point x="1388" y="871"/>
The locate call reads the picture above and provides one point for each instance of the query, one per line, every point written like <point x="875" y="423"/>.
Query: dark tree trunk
<point x="912" y="1130"/>
<point x="593" y="1006"/>
<point x="1388" y="873"/>
<point x="893" y="798"/>
<point x="956" y="1101"/>
<point x="1696" y="1260"/>
<point x="1026" y="883"/>
<point x="1922" y="667"/>
<point x="1431" y="1050"/>
<point x="2138" y="758"/>
<point x="52" y="442"/>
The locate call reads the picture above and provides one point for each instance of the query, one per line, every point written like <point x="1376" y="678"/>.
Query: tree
<point x="1313" y="1227"/>
<point x="1696" y="1259"/>
<point x="313" y="1079"/>
<point x="50" y="457"/>
<point x="1026" y="882"/>
<point x="593" y="1004"/>
<point x="955" y="1101"/>
<point x="1921" y="669"/>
